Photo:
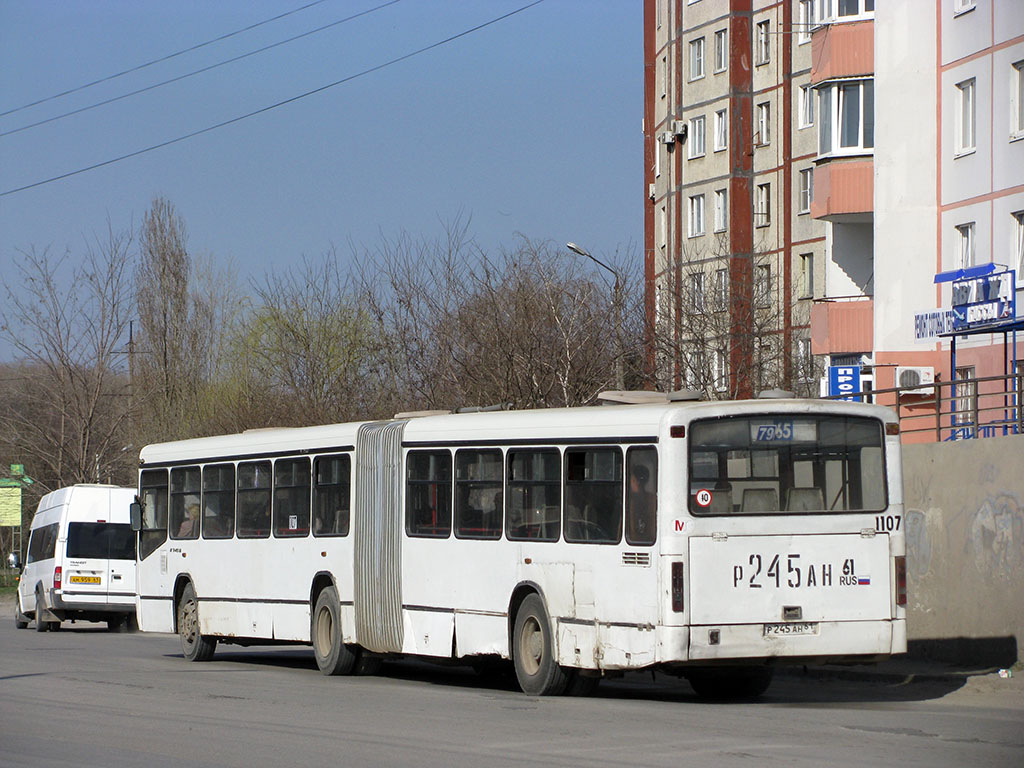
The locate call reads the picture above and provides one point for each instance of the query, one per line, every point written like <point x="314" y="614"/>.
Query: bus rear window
<point x="786" y="464"/>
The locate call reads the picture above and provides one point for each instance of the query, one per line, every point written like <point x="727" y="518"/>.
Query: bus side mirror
<point x="14" y="561"/>
<point x="135" y="512"/>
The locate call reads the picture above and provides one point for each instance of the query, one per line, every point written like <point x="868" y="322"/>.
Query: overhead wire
<point x="197" y="71"/>
<point x="270" y="107"/>
<point x="169" y="56"/>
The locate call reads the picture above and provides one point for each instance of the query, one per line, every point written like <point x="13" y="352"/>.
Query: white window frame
<point x="804" y="359"/>
<point x="965" y="245"/>
<point x="721" y="210"/>
<point x="806" y="190"/>
<point x="832" y="117"/>
<point x="762" y="43"/>
<point x="697" y="139"/>
<point x="696" y="59"/>
<point x="721" y="50"/>
<point x="965" y="128"/>
<point x="697" y="296"/>
<point x="763" y="205"/>
<point x="764" y="123"/>
<point x="828" y="11"/>
<point x="695" y="220"/>
<point x="1018" y="245"/>
<point x="961" y="7"/>
<point x="806" y="275"/>
<point x="720" y="369"/>
<point x="805" y="19"/>
<point x="1017" y="100"/>
<point x="805" y="107"/>
<point x="721" y="289"/>
<point x="763" y="285"/>
<point x="721" y="130"/>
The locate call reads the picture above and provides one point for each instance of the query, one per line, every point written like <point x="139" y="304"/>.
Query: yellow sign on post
<point x="10" y="507"/>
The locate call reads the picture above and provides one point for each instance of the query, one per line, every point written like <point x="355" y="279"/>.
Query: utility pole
<point x="617" y="304"/>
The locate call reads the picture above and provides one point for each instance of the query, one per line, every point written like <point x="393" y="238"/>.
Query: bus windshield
<point x="786" y="464"/>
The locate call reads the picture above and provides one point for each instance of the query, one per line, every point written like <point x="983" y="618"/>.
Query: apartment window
<point x="721" y="51"/>
<point x="696" y="218"/>
<point x="844" y="10"/>
<point x="804" y="21"/>
<point x="966" y="393"/>
<point x="806" y="275"/>
<point x="696" y="138"/>
<point x="720" y="211"/>
<point x="697" y="58"/>
<point x="721" y="289"/>
<point x="965" y="245"/>
<point x="805" y="108"/>
<point x="1018" y="244"/>
<point x="846" y="117"/>
<point x="806" y="190"/>
<point x="721" y="130"/>
<point x="764" y="123"/>
<point x="762" y="43"/>
<point x="1017" y="101"/>
<point x="962" y="6"/>
<point x="763" y="285"/>
<point x="763" y="205"/>
<point x="804" y="368"/>
<point x="720" y="369"/>
<point x="965" y="117"/>
<point x="697" y="292"/>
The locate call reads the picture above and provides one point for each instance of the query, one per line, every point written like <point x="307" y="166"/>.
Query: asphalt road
<point x="85" y="697"/>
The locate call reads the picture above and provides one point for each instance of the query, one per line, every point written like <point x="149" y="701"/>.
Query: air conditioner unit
<point x="651" y="190"/>
<point x="915" y="380"/>
<point x="679" y="129"/>
<point x="667" y="138"/>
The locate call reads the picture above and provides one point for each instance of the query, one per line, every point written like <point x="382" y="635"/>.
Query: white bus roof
<point x="603" y="422"/>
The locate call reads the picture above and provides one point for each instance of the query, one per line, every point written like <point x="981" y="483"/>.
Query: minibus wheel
<point x="194" y="646"/>
<point x="533" y="651"/>
<point x="333" y="657"/>
<point x="41" y="624"/>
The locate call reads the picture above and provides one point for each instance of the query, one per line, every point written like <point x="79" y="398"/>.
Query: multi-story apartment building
<point x="733" y="256"/>
<point x="872" y="163"/>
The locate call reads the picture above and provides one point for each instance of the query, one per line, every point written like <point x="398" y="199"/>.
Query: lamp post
<point x="617" y="302"/>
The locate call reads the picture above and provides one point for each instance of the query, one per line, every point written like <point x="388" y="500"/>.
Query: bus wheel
<point x="533" y="651"/>
<point x="41" y="624"/>
<point x="332" y="655"/>
<point x="194" y="646"/>
<point x="20" y="620"/>
<point x="730" y="684"/>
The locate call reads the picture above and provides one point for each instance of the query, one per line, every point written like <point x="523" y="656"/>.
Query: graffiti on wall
<point x="996" y="536"/>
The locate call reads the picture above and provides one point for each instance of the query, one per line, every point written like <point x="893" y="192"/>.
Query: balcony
<point x="843" y="189"/>
<point x="842" y="326"/>
<point x="842" y="50"/>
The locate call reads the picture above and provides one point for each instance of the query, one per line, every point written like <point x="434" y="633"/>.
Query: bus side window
<point x="642" y="496"/>
<point x="332" y="495"/>
<point x="254" y="499"/>
<point x="428" y="494"/>
<point x="593" y="495"/>
<point x="43" y="543"/>
<point x="478" y="494"/>
<point x="184" y="515"/>
<point x="153" y="493"/>
<point x="218" y="501"/>
<point x="291" y="497"/>
<point x="534" y="494"/>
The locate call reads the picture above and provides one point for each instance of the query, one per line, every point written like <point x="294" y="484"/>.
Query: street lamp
<point x="617" y="302"/>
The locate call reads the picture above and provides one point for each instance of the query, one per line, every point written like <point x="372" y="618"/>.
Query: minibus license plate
<point x="793" y="628"/>
<point x="85" y="580"/>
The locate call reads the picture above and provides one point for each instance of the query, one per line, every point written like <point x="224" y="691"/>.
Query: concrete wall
<point x="965" y="549"/>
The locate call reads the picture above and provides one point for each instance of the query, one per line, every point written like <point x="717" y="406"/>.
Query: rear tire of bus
<point x="726" y="684"/>
<point x="41" y="624"/>
<point x="194" y="646"/>
<point x="333" y="657"/>
<point x="533" y="651"/>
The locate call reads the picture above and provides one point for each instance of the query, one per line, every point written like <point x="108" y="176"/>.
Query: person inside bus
<point x="189" y="527"/>
<point x="642" y="505"/>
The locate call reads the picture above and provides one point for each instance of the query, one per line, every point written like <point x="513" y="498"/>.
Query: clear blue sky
<point x="531" y="125"/>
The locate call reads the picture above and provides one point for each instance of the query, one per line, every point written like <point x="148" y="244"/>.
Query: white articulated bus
<point x="712" y="540"/>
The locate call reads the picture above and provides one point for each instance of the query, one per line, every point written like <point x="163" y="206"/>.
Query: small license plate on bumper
<point x="85" y="580"/>
<point x="791" y="628"/>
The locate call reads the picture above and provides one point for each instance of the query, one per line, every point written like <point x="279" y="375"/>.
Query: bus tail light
<point x="901" y="581"/>
<point x="56" y="577"/>
<point x="677" y="587"/>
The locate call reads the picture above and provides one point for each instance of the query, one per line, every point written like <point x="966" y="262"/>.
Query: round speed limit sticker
<point x="703" y="498"/>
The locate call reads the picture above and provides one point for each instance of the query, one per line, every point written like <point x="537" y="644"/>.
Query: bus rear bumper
<point x="804" y="640"/>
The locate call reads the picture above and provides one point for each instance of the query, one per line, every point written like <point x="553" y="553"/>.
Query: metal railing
<point x="963" y="409"/>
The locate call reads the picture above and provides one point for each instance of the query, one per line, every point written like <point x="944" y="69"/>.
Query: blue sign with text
<point x="844" y="382"/>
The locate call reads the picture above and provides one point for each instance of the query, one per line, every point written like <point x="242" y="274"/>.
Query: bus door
<point x="100" y="563"/>
<point x="788" y="561"/>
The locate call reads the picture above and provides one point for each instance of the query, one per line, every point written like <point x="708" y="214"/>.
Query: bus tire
<point x="333" y="657"/>
<point x="533" y="648"/>
<point x="20" y="620"/>
<point x="194" y="646"/>
<point x="730" y="684"/>
<point x="41" y="624"/>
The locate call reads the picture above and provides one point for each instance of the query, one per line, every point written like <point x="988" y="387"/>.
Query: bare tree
<point x="69" y="407"/>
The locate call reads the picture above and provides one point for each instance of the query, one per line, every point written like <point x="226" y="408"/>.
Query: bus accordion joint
<point x="677" y="587"/>
<point x="901" y="580"/>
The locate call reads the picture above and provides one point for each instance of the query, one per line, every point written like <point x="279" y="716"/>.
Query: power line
<point x="195" y="72"/>
<point x="246" y="116"/>
<point x="162" y="58"/>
